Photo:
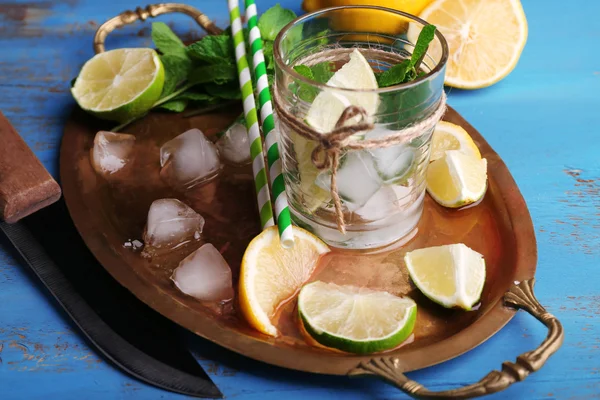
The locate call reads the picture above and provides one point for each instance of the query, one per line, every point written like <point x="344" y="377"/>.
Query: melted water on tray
<point x="229" y="207"/>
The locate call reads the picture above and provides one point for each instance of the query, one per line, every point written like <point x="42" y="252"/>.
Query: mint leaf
<point x="425" y="37"/>
<point x="322" y="71"/>
<point x="175" y="105"/>
<point x="165" y="40"/>
<point x="268" y="53"/>
<point x="394" y="75"/>
<point x="229" y="91"/>
<point x="177" y="69"/>
<point x="305" y="71"/>
<point x="213" y="49"/>
<point x="271" y="22"/>
<point x="303" y="90"/>
<point x="405" y="71"/>
<point x="196" y="96"/>
<point x="219" y="74"/>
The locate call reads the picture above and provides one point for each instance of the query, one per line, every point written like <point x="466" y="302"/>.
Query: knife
<point x="135" y="338"/>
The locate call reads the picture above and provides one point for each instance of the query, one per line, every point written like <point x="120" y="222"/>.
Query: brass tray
<point x="109" y="212"/>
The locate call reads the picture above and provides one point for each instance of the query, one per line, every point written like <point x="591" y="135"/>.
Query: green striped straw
<point x="282" y="211"/>
<point x="256" y="150"/>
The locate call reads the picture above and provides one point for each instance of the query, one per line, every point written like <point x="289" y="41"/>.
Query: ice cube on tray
<point x="205" y="275"/>
<point x="111" y="151"/>
<point x="171" y="224"/>
<point x="234" y="145"/>
<point x="188" y="160"/>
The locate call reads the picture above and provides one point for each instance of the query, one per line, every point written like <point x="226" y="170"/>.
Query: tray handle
<point x="519" y="296"/>
<point x="152" y="10"/>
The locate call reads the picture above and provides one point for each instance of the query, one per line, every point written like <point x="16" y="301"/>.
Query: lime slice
<point x="313" y="196"/>
<point x="121" y="84"/>
<point x="329" y="104"/>
<point x="451" y="275"/>
<point x="457" y="179"/>
<point x="356" y="320"/>
<point x="271" y="275"/>
<point x="324" y="113"/>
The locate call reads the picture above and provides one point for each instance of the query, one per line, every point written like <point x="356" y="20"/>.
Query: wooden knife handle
<point x="25" y="185"/>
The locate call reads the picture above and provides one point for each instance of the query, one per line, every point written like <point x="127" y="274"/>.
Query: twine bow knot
<point x="326" y="155"/>
<point x="330" y="145"/>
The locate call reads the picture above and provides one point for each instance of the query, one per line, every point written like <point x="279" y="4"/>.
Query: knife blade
<point x="127" y="332"/>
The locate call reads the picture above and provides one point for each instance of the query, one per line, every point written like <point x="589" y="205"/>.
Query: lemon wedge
<point x="448" y="136"/>
<point x="270" y="274"/>
<point x="457" y="179"/>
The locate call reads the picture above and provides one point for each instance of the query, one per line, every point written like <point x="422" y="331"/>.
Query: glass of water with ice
<point x="329" y="60"/>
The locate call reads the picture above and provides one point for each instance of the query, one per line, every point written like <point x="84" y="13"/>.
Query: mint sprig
<point x="406" y="71"/>
<point x="403" y="72"/>
<point x="204" y="74"/>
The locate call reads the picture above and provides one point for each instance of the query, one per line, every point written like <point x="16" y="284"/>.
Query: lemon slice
<point x="448" y="136"/>
<point x="270" y="274"/>
<point x="329" y="104"/>
<point x="451" y="275"/>
<point x="485" y="39"/>
<point x="121" y="84"/>
<point x="457" y="179"/>
<point x="356" y="320"/>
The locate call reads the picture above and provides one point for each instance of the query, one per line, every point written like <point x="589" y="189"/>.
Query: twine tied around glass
<point x="326" y="155"/>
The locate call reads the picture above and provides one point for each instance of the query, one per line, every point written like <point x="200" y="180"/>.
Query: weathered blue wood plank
<point x="543" y="120"/>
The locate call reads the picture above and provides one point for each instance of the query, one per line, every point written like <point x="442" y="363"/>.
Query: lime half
<point x="355" y="320"/>
<point x="451" y="275"/>
<point x="121" y="84"/>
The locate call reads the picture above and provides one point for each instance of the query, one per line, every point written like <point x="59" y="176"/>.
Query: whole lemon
<point x="369" y="20"/>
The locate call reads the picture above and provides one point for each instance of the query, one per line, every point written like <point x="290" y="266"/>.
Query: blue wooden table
<point x="543" y="120"/>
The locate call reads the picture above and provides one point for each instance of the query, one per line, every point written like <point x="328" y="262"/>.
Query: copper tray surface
<point x="108" y="212"/>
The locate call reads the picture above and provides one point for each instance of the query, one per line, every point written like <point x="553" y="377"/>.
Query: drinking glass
<point x="382" y="190"/>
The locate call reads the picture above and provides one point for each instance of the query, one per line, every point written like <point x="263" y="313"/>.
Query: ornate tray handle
<point x="518" y="296"/>
<point x="153" y="10"/>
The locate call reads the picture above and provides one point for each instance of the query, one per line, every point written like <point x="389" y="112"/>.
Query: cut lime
<point x="324" y="113"/>
<point x="121" y="84"/>
<point x="355" y="320"/>
<point x="328" y="106"/>
<point x="451" y="275"/>
<point x="312" y="195"/>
